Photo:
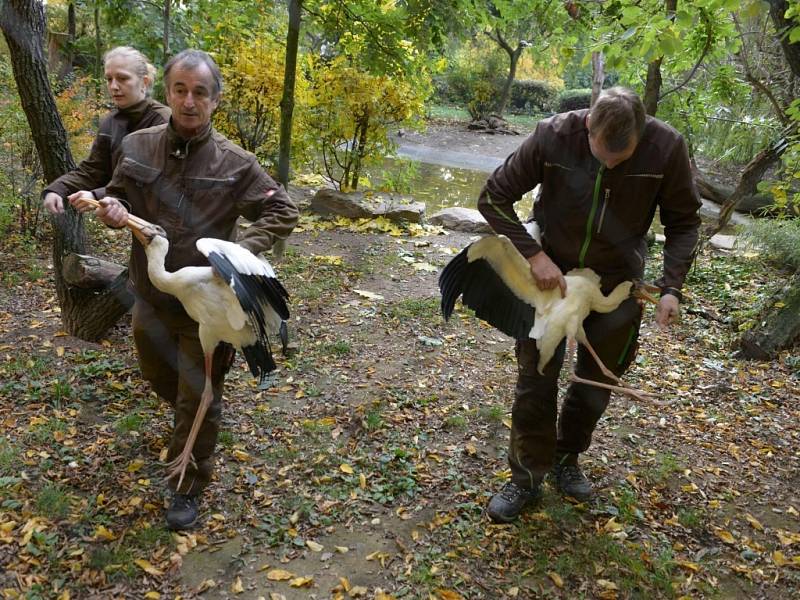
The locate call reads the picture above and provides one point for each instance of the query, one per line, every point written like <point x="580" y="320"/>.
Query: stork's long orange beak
<point x="141" y="229"/>
<point x="645" y="291"/>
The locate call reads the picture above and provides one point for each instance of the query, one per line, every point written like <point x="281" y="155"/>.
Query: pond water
<point x="441" y="185"/>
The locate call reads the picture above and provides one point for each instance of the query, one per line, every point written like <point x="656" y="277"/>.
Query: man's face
<point x="603" y="154"/>
<point x="190" y="96"/>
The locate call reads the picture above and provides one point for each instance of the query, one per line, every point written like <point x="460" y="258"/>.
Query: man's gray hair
<point x="618" y="117"/>
<point x="191" y="59"/>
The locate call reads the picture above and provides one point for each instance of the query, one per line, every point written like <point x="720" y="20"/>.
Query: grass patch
<point x="10" y="457"/>
<point x="414" y="308"/>
<point x="338" y="348"/>
<point x="53" y="502"/>
<point x="492" y="414"/>
<point x="131" y="422"/>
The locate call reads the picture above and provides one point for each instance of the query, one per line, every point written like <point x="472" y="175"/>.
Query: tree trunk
<point x="85" y="313"/>
<point x="777" y="10"/>
<point x="719" y="193"/>
<point x="287" y="100"/>
<point x="652" y="87"/>
<point x="779" y="329"/>
<point x="598" y="75"/>
<point x="751" y="175"/>
<point x="98" y="44"/>
<point x="505" y="94"/>
<point x="165" y="40"/>
<point x="69" y="55"/>
<point x="89" y="272"/>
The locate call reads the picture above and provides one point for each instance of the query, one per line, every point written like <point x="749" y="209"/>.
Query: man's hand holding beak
<point x="111" y="211"/>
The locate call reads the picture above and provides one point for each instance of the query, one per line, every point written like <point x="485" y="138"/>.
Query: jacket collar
<point x="135" y="112"/>
<point x="179" y="146"/>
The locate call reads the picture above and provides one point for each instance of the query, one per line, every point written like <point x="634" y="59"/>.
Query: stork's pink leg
<point x="621" y="388"/>
<point x="184" y="459"/>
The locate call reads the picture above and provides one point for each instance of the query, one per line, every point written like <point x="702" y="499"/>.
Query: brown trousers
<point x="535" y="439"/>
<point x="171" y="359"/>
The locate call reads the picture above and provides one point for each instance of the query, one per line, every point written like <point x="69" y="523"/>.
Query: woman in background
<point x="129" y="79"/>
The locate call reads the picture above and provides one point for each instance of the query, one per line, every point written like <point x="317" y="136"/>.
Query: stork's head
<point x="147" y="232"/>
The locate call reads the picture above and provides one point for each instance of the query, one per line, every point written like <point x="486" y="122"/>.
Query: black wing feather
<point x="253" y="293"/>
<point x="484" y="291"/>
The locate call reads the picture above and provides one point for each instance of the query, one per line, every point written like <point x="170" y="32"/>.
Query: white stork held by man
<point x="238" y="300"/>
<point x="495" y="280"/>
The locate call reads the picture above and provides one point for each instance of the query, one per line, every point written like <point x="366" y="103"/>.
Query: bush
<point x="574" y="99"/>
<point x="473" y="80"/>
<point x="532" y="96"/>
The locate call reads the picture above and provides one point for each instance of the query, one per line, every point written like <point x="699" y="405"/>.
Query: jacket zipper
<point x="590" y="220"/>
<point x="603" y="210"/>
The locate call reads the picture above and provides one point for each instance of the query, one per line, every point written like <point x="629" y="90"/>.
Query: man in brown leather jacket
<point x="194" y="183"/>
<point x="603" y="173"/>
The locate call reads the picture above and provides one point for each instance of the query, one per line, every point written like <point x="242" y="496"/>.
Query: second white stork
<point x="495" y="280"/>
<point x="238" y="300"/>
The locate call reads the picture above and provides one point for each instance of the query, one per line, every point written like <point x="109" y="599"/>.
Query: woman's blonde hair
<point x="138" y="61"/>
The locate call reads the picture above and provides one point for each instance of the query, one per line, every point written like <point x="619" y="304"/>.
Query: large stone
<point x="461" y="219"/>
<point x="333" y="202"/>
<point x="355" y="205"/>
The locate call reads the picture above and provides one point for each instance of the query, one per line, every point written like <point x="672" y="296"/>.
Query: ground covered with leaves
<point x="365" y="471"/>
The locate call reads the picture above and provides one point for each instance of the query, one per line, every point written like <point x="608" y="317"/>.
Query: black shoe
<point x="182" y="513"/>
<point x="571" y="481"/>
<point x="506" y="505"/>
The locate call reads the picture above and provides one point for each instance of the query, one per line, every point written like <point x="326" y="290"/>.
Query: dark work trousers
<point x="171" y="359"/>
<point x="535" y="440"/>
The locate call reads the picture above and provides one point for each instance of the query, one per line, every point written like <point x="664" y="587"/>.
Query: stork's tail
<point x="259" y="359"/>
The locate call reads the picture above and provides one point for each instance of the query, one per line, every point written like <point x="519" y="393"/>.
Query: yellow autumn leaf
<point x="147" y="567"/>
<point x="59" y="351"/>
<point x="301" y="582"/>
<point x="241" y="455"/>
<point x="725" y="536"/>
<point x="102" y="533"/>
<point x="345" y="468"/>
<point x="556" y="578"/>
<point x="607" y="585"/>
<point x="279" y="575"/>
<point x="443" y="594"/>
<point x="779" y="558"/>
<point x="135" y="465"/>
<point x="381" y="595"/>
<point x="314" y="545"/>
<point x="754" y="522"/>
<point x="237" y="587"/>
<point x="688" y="565"/>
<point x="358" y="591"/>
<point x="152" y="596"/>
<point x="362" y="481"/>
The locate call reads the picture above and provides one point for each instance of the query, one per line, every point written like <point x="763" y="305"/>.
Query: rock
<point x="724" y="242"/>
<point x="355" y="205"/>
<point x="461" y="219"/>
<point x="413" y="212"/>
<point x="333" y="202"/>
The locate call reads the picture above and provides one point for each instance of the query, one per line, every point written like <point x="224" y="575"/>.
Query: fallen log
<point x="89" y="272"/>
<point x="718" y="193"/>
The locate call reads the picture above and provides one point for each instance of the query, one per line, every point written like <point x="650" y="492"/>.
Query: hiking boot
<point x="506" y="505"/>
<point x="182" y="513"/>
<point x="571" y="481"/>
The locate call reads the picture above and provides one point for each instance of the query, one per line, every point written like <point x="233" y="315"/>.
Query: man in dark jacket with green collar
<point x="603" y="173"/>
<point x="194" y="183"/>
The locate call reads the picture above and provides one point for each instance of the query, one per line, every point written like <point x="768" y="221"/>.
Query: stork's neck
<point x="156" y="252"/>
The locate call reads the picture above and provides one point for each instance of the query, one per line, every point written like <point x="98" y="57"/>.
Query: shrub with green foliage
<point x="778" y="238"/>
<point x="532" y="96"/>
<point x="574" y="99"/>
<point x="473" y="80"/>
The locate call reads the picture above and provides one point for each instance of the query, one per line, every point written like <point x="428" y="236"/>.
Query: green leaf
<point x="630" y="32"/>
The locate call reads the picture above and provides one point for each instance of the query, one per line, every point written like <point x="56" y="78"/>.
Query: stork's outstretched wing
<point x="486" y="292"/>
